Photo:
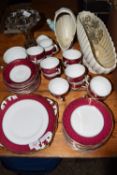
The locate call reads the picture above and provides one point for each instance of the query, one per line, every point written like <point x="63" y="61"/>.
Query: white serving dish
<point x="65" y="27"/>
<point x="97" y="47"/>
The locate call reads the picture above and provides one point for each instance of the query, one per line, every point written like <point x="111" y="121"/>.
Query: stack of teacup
<point x="75" y="72"/>
<point x="45" y="47"/>
<point x="50" y="48"/>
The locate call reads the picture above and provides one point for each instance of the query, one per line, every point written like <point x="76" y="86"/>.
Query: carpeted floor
<point x="104" y="166"/>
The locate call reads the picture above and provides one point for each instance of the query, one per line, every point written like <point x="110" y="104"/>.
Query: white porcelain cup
<point x="99" y="87"/>
<point x="71" y="56"/>
<point x="49" y="46"/>
<point x="50" y="67"/>
<point x="35" y="54"/>
<point x="40" y="38"/>
<point x="58" y="87"/>
<point x="13" y="53"/>
<point x="76" y="75"/>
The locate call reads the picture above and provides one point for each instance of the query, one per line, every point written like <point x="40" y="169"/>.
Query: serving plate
<point x="27" y="122"/>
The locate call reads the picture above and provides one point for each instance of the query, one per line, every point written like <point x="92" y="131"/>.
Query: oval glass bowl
<point x="96" y="44"/>
<point x="65" y="27"/>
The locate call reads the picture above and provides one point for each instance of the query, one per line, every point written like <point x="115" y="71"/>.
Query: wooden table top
<point x="59" y="147"/>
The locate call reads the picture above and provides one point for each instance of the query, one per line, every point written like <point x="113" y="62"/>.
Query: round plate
<point x="24" y="120"/>
<point x="19" y="71"/>
<point x="87" y="121"/>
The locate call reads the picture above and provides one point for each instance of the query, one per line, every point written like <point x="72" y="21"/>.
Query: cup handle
<point x="58" y="71"/>
<point x="1" y="68"/>
<point x="87" y="77"/>
<point x="86" y="80"/>
<point x="56" y="49"/>
<point x="65" y="63"/>
<point x="34" y="60"/>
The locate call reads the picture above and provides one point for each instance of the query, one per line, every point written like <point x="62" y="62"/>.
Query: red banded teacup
<point x="58" y="87"/>
<point x="75" y="74"/>
<point x="71" y="56"/>
<point x="99" y="87"/>
<point x="49" y="46"/>
<point x="50" y="67"/>
<point x="40" y="38"/>
<point x="35" y="54"/>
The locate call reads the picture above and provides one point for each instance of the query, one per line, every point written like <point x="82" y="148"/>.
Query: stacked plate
<point x="21" y="76"/>
<point x="87" y="124"/>
<point x="27" y="122"/>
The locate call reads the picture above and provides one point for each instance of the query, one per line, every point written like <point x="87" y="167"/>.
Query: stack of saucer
<point x="21" y="76"/>
<point x="87" y="124"/>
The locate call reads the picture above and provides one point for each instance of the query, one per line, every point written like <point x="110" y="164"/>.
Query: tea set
<point x="87" y="122"/>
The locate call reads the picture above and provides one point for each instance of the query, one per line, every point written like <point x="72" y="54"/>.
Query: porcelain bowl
<point x="65" y="27"/>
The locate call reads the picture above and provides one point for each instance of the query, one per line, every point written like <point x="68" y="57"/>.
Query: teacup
<point x="76" y="75"/>
<point x="58" y="87"/>
<point x="35" y="54"/>
<point x="50" y="67"/>
<point x="13" y="53"/>
<point x="99" y="87"/>
<point x="40" y="38"/>
<point x="49" y="46"/>
<point x="71" y="56"/>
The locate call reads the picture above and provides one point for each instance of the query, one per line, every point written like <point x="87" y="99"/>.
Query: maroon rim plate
<point x="30" y="67"/>
<point x="15" y="103"/>
<point x="99" y="110"/>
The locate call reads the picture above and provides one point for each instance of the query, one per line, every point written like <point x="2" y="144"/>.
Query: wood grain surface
<point x="59" y="146"/>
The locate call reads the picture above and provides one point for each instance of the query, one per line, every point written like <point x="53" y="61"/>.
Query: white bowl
<point x="96" y="43"/>
<point x="41" y="38"/>
<point x="65" y="27"/>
